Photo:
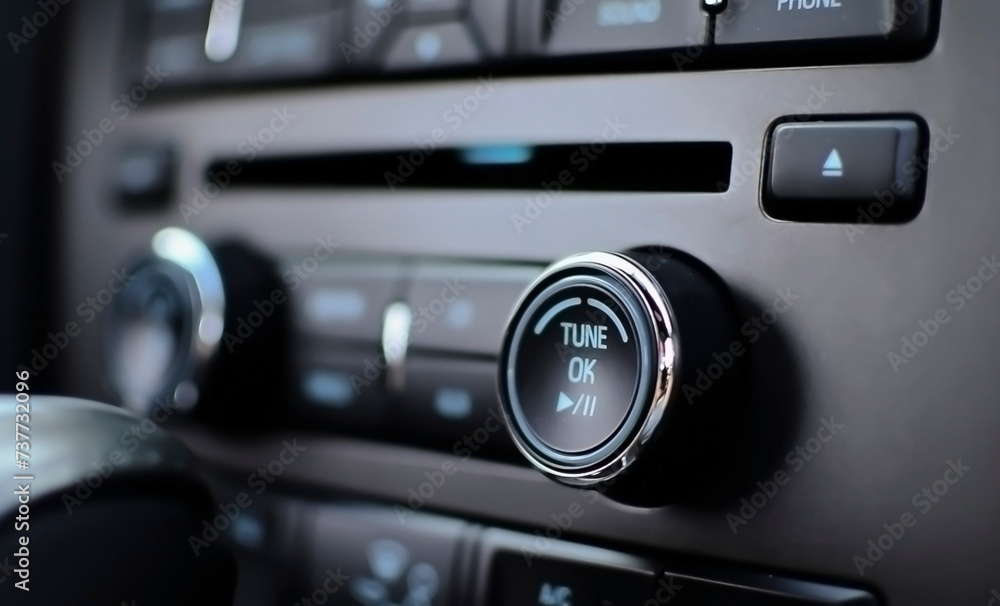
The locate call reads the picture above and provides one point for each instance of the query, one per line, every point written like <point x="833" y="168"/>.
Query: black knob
<point x="593" y="369"/>
<point x="199" y="327"/>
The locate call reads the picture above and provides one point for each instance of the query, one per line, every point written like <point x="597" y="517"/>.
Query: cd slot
<point x="698" y="167"/>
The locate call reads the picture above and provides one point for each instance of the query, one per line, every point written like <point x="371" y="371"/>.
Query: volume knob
<point x="174" y="333"/>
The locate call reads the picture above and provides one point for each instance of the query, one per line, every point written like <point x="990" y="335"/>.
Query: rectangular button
<point x="344" y="387"/>
<point x="382" y="555"/>
<point x="560" y="582"/>
<point x="432" y="45"/>
<point x="449" y="399"/>
<point x="600" y="26"/>
<point x="346" y="299"/>
<point x="515" y="571"/>
<point x="176" y="42"/>
<point x="288" y="47"/>
<point x="827" y="170"/>
<point x="749" y="21"/>
<point x="464" y="308"/>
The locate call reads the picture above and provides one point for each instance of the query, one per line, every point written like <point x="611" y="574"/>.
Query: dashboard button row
<point x="436" y="376"/>
<point x="299" y="39"/>
<point x="457" y="308"/>
<point x="400" y="555"/>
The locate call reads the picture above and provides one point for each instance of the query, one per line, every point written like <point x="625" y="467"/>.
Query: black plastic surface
<point x="845" y="170"/>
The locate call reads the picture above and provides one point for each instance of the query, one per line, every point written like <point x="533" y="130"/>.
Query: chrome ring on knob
<point x="642" y="296"/>
<point x="181" y="260"/>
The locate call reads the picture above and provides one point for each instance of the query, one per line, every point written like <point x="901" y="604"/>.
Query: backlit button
<point x="818" y="168"/>
<point x="289" y="48"/>
<point x="145" y="175"/>
<point x="464" y="308"/>
<point x="346" y="300"/>
<point x="621" y="25"/>
<point x="748" y="21"/>
<point x="329" y="388"/>
<point x="343" y="387"/>
<point x="449" y="398"/>
<point x="432" y="46"/>
<point x="380" y="560"/>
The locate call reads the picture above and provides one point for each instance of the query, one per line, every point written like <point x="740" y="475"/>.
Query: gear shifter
<point x="94" y="521"/>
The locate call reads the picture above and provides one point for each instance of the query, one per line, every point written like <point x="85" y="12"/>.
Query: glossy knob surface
<point x="593" y="362"/>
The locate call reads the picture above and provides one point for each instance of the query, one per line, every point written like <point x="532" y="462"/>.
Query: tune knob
<point x="593" y="366"/>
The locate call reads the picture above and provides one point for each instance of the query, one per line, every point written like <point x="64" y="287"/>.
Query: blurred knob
<point x="174" y="333"/>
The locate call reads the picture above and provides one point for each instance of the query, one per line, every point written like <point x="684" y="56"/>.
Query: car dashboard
<point x="503" y="302"/>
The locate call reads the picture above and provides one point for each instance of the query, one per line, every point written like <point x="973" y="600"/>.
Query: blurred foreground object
<point x="102" y="512"/>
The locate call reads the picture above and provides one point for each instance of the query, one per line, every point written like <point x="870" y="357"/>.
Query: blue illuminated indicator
<point x="330" y="388"/>
<point x="497" y="154"/>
